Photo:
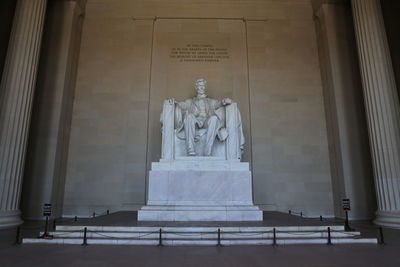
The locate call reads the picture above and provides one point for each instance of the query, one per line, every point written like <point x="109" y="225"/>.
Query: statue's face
<point x="201" y="87"/>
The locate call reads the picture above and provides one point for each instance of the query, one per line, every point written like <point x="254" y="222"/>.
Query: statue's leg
<point x="212" y="129"/>
<point x="190" y="132"/>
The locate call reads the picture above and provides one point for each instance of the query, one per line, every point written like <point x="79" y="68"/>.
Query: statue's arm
<point x="184" y="105"/>
<point x="180" y="105"/>
<point x="226" y="101"/>
<point x="180" y="109"/>
<point x="222" y="103"/>
<point x="218" y="104"/>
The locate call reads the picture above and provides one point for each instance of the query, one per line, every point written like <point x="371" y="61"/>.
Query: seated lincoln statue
<point x="200" y="176"/>
<point x="201" y="126"/>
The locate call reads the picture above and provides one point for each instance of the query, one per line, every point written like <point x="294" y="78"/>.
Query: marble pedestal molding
<point x="382" y="108"/>
<point x="200" y="189"/>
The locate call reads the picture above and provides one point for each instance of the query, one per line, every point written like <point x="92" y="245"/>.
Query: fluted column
<point x="17" y="86"/>
<point x="382" y="107"/>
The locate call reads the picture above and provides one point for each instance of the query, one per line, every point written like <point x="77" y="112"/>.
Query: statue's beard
<point x="203" y="95"/>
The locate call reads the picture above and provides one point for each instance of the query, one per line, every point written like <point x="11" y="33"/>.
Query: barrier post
<point x="274" y="238"/>
<point x="347" y="227"/>
<point x="382" y="239"/>
<point x="301" y="214"/>
<point x="219" y="238"/>
<point x="108" y="212"/>
<point x="45" y="226"/>
<point x="84" y="237"/>
<point x="46" y="235"/>
<point x="320" y="218"/>
<point x="329" y="236"/>
<point x="54" y="224"/>
<point x="290" y="212"/>
<point x="18" y="237"/>
<point x="160" y="238"/>
<point x="94" y="214"/>
<point x="76" y="218"/>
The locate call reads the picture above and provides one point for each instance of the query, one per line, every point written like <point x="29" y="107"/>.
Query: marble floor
<point x="104" y="255"/>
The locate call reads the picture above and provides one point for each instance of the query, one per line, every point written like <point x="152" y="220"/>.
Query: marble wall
<point x="290" y="152"/>
<point x="107" y="152"/>
<point x="273" y="73"/>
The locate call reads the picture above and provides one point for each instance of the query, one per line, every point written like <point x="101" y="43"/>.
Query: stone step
<point x="200" y="235"/>
<point x="133" y="235"/>
<point x="209" y="242"/>
<point x="198" y="229"/>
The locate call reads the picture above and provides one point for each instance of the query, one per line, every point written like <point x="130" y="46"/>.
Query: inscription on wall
<point x="199" y="53"/>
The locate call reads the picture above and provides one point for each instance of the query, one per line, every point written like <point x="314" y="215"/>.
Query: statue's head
<point x="201" y="85"/>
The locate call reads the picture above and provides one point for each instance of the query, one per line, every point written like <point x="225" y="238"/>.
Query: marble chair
<point x="228" y="145"/>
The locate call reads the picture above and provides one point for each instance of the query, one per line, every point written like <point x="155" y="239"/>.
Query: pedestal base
<point x="200" y="213"/>
<point x="200" y="189"/>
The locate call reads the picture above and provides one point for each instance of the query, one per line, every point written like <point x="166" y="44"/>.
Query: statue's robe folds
<point x="196" y="117"/>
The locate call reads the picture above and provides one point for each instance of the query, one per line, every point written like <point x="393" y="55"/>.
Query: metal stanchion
<point x="320" y="218"/>
<point x="274" y="238"/>
<point x="160" y="238"/>
<point x="84" y="237"/>
<point x="18" y="237"/>
<point x="54" y="224"/>
<point x="301" y="214"/>
<point x="46" y="234"/>
<point x="108" y="212"/>
<point x="329" y="236"/>
<point x="45" y="227"/>
<point x="94" y="214"/>
<point x="290" y="212"/>
<point x="347" y="227"/>
<point x="382" y="239"/>
<point x="219" y="238"/>
<point x="76" y="218"/>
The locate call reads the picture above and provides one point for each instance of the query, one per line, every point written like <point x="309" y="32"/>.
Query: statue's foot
<point x="192" y="153"/>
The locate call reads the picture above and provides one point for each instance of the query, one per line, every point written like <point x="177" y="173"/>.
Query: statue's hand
<point x="171" y="101"/>
<point x="227" y="101"/>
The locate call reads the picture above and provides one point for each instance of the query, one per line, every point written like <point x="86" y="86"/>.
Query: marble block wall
<point x="200" y="188"/>
<point x="107" y="153"/>
<point x="273" y="73"/>
<point x="290" y="151"/>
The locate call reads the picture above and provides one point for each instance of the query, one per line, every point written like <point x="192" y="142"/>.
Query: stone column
<point x="382" y="107"/>
<point x="17" y="86"/>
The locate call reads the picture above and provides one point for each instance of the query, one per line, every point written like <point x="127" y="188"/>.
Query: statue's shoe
<point x="192" y="153"/>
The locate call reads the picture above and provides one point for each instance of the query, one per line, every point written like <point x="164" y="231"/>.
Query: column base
<point x="388" y="219"/>
<point x="10" y="219"/>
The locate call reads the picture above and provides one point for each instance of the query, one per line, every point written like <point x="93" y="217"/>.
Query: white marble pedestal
<point x="200" y="189"/>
